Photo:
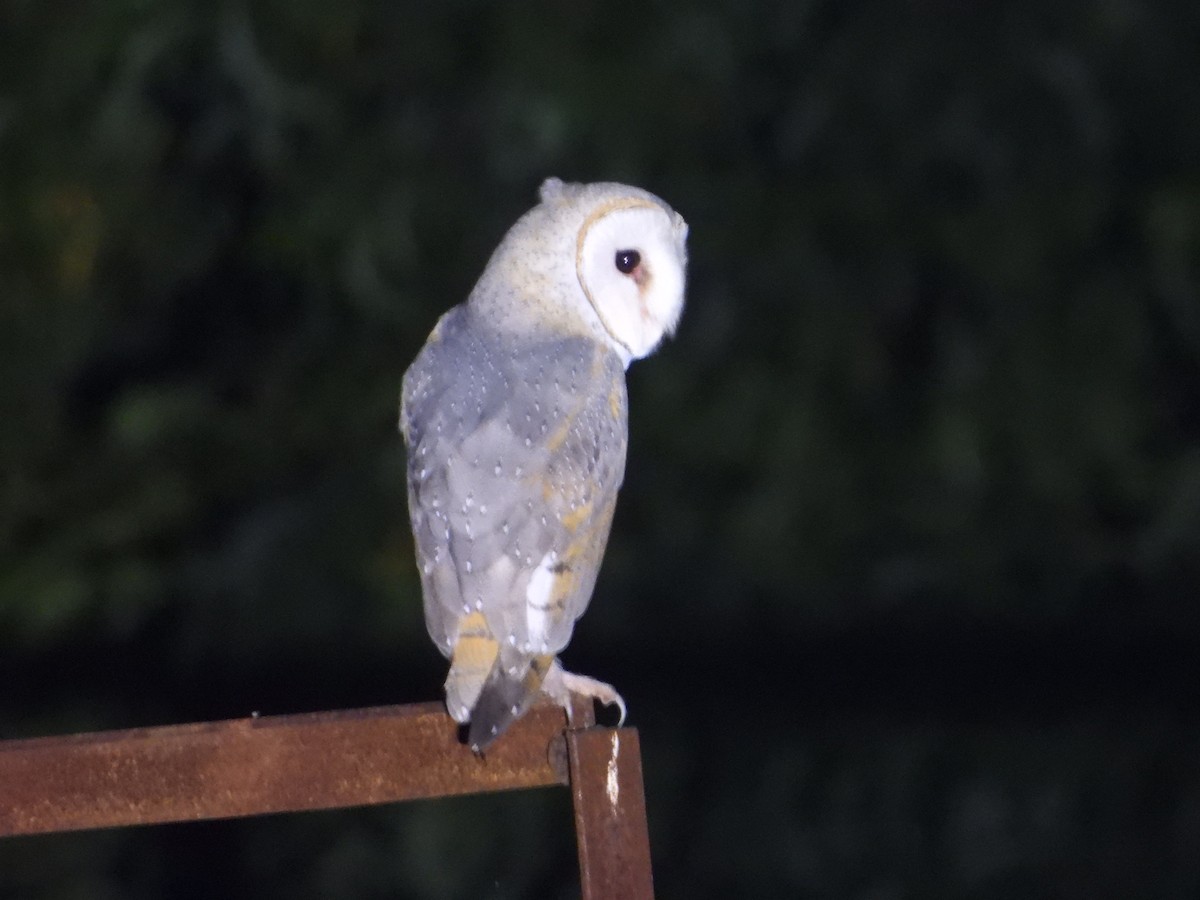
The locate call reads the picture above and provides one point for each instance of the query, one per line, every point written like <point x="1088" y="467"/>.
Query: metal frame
<point x="274" y="764"/>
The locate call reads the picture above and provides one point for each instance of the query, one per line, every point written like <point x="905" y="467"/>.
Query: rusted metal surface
<point x="244" y="767"/>
<point x="610" y="814"/>
<point x="582" y="715"/>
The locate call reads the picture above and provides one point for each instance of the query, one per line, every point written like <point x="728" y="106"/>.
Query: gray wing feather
<point x="515" y="447"/>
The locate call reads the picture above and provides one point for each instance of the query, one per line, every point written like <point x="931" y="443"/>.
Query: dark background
<point x="902" y="584"/>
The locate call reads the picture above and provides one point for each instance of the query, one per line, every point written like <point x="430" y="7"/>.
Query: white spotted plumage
<point x="514" y="416"/>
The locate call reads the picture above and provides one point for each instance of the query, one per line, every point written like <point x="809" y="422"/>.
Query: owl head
<point x="603" y="260"/>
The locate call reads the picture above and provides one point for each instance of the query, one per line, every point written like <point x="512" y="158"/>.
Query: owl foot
<point x="561" y="684"/>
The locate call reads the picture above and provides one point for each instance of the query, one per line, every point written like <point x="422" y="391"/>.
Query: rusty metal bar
<point x="245" y="767"/>
<point x="610" y="814"/>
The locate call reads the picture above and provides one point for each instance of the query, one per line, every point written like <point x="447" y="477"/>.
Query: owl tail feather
<point x="504" y="699"/>
<point x="475" y="655"/>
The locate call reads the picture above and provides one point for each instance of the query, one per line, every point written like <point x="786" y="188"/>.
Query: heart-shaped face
<point x="630" y="260"/>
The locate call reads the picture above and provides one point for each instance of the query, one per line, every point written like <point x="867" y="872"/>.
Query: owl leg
<point x="560" y="684"/>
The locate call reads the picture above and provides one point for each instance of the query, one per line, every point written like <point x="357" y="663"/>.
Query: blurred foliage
<point x="913" y="500"/>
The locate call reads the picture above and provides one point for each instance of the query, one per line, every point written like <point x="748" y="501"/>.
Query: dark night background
<point x="902" y="584"/>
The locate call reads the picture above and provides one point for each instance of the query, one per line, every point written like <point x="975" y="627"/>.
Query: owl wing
<point x="516" y="451"/>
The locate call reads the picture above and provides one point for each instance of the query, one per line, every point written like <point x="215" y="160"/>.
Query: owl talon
<point x="620" y="702"/>
<point x="568" y="683"/>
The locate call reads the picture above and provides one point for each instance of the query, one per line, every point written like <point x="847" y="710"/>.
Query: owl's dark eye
<point x="627" y="261"/>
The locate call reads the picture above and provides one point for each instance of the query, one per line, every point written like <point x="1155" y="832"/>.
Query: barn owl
<point x="514" y="420"/>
